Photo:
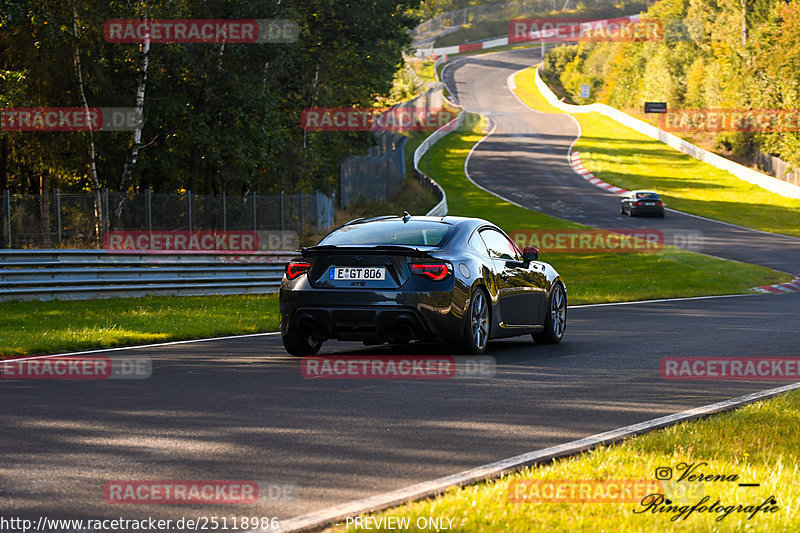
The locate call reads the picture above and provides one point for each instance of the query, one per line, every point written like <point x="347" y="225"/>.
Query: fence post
<point x="189" y="208"/>
<point x="148" y="209"/>
<point x="255" y="226"/>
<point x="58" y="214"/>
<point x="224" y="214"/>
<point x="281" y="212"/>
<point x="302" y="226"/>
<point x="107" y="222"/>
<point x="7" y="201"/>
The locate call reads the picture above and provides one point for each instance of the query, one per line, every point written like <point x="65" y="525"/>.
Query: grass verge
<point x="757" y="443"/>
<point x="28" y="328"/>
<point x="625" y="158"/>
<point x="592" y="278"/>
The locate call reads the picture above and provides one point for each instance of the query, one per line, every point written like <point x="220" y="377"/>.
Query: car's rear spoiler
<point x="382" y="249"/>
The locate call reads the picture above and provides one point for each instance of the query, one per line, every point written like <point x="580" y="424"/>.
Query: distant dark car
<point x="642" y="203"/>
<point x="394" y="279"/>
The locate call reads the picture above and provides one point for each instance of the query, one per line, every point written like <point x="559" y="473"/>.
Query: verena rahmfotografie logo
<point x="70" y="119"/>
<point x="562" y="30"/>
<point x="397" y="367"/>
<point x="731" y="368"/>
<point x="398" y="118"/>
<point x="736" y="120"/>
<point x="84" y="367"/>
<point x="590" y="241"/>
<point x="201" y="31"/>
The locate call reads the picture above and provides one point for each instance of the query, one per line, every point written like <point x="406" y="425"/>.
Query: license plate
<point x="357" y="273"/>
<point x="649" y="203"/>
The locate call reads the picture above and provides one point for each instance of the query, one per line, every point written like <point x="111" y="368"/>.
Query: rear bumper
<point x="372" y="316"/>
<point x="649" y="210"/>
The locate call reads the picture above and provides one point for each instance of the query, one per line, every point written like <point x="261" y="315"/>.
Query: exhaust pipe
<point x="308" y="328"/>
<point x="404" y="331"/>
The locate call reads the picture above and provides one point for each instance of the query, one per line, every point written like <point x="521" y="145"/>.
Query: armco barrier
<point x="439" y="209"/>
<point x="82" y="274"/>
<point x="740" y="171"/>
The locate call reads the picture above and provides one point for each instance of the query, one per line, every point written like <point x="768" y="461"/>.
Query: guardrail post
<point x="57" y="194"/>
<point x="189" y="209"/>
<point x="255" y="226"/>
<point x="7" y="201"/>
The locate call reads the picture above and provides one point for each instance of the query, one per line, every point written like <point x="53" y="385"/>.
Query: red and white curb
<point x="789" y="286"/>
<point x="577" y="166"/>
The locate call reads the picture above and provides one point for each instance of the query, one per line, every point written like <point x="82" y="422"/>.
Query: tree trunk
<point x="100" y="215"/>
<point x="136" y="138"/>
<point x="744" y="22"/>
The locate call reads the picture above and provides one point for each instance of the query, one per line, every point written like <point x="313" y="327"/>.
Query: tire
<point x="300" y="345"/>
<point x="661" y="215"/>
<point x="621" y="210"/>
<point x="476" y="325"/>
<point x="555" y="324"/>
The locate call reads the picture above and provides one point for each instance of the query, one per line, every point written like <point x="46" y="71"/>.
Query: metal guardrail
<point x="82" y="274"/>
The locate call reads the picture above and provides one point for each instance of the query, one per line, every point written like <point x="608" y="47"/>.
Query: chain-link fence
<point x="380" y="174"/>
<point x="81" y="220"/>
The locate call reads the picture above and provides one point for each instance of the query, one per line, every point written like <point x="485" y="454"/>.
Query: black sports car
<point x="395" y="279"/>
<point x="641" y="203"/>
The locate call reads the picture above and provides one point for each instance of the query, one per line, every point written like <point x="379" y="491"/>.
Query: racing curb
<point x="789" y="286"/>
<point x="317" y="520"/>
<point x="577" y="166"/>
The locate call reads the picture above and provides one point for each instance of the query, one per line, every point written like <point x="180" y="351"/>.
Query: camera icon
<point x="663" y="473"/>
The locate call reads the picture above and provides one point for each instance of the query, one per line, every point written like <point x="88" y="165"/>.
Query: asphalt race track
<point x="525" y="160"/>
<point x="239" y="408"/>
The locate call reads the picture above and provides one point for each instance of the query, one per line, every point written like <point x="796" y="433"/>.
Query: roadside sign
<point x="586" y="90"/>
<point x="655" y="107"/>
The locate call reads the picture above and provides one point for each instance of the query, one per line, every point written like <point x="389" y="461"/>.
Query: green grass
<point x="757" y="442"/>
<point x="625" y="158"/>
<point x="592" y="278"/>
<point x="28" y="328"/>
<point x="423" y="68"/>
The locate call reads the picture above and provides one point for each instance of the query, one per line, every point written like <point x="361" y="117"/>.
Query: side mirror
<point x="530" y="253"/>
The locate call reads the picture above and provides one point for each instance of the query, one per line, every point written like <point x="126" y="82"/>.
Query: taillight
<point x="638" y="203"/>
<point x="660" y="204"/>
<point x="295" y="269"/>
<point x="435" y="271"/>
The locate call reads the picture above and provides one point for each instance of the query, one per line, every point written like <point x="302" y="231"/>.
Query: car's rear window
<point x="651" y="195"/>
<point x="413" y="232"/>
